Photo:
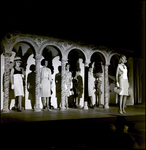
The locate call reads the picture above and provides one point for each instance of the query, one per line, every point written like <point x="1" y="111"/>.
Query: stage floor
<point x="71" y="113"/>
<point x="71" y="129"/>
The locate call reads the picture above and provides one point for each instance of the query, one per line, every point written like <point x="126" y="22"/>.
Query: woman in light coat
<point x="122" y="82"/>
<point x="45" y="83"/>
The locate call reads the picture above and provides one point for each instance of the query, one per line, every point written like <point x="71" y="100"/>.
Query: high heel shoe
<point x="124" y="111"/>
<point x="120" y="111"/>
<point x="19" y="110"/>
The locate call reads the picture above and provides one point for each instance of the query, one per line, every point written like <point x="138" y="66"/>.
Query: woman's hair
<point x="32" y="67"/>
<point x="17" y="61"/>
<point x="120" y="59"/>
<point x="43" y="62"/>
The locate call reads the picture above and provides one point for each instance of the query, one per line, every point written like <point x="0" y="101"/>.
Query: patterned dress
<point x="68" y="83"/>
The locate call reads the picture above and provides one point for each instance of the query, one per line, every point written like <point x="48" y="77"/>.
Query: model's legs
<point x="43" y="102"/>
<point x="124" y="101"/>
<point x="66" y="102"/>
<point x="50" y="102"/>
<point x="120" y="104"/>
<point x="77" y="101"/>
<point x="48" y="107"/>
<point x="47" y="99"/>
<point x="19" y="102"/>
<point x="16" y="102"/>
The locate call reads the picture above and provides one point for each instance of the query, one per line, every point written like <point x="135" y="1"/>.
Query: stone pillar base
<point x="5" y="110"/>
<point x="37" y="109"/>
<point x="85" y="106"/>
<point x="106" y="106"/>
<point x="100" y="106"/>
<point x="62" y="108"/>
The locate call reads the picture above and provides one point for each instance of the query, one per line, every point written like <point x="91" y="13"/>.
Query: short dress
<point x="18" y="83"/>
<point x="123" y="80"/>
<point x="45" y="82"/>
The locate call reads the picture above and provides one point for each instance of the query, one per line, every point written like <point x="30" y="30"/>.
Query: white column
<point x="63" y="63"/>
<point x="106" y="87"/>
<point x="37" y="82"/>
<point x="6" y="82"/>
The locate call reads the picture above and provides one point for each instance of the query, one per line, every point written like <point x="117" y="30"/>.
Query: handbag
<point x="117" y="90"/>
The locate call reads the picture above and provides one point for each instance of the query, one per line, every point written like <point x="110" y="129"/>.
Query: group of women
<point x="17" y="77"/>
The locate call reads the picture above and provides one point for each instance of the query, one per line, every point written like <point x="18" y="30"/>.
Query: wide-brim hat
<point x="17" y="59"/>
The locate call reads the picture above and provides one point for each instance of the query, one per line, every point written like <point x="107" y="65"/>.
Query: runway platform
<point x="71" y="129"/>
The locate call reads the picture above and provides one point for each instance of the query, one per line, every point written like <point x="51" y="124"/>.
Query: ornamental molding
<point x="38" y="41"/>
<point x="66" y="46"/>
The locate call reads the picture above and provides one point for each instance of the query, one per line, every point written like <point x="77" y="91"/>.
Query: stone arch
<point x="29" y="50"/>
<point x="76" y="53"/>
<point x="100" y="54"/>
<point x="28" y="41"/>
<point x="51" y="44"/>
<point x="78" y="48"/>
<point x="50" y="49"/>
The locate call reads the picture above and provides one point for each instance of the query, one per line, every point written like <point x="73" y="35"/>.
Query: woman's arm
<point x="117" y="76"/>
<point x="23" y="73"/>
<point x="12" y="77"/>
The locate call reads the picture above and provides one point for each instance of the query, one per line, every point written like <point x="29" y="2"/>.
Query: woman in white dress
<point x="91" y="85"/>
<point x="68" y="84"/>
<point x="45" y="83"/>
<point x="17" y="75"/>
<point x="122" y="82"/>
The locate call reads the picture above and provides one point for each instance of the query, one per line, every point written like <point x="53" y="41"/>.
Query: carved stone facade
<point x="6" y="82"/>
<point x="106" y="87"/>
<point x="65" y="47"/>
<point x="37" y="84"/>
<point x="63" y="63"/>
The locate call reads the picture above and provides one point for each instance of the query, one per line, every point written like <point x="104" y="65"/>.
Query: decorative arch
<point x="78" y="48"/>
<point x="101" y="53"/>
<point x="45" y="44"/>
<point x="111" y="55"/>
<point x="19" y="39"/>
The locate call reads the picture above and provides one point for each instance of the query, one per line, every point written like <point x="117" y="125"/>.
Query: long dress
<point x="68" y="83"/>
<point x="91" y="86"/>
<point x="123" y="79"/>
<point x="45" y="82"/>
<point x="18" y="83"/>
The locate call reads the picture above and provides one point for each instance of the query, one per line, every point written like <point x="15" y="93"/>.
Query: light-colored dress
<point x="123" y="79"/>
<point x="45" y="82"/>
<point x="68" y="83"/>
<point x="91" y="85"/>
<point x="18" y="83"/>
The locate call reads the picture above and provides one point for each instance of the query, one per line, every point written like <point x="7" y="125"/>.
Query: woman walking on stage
<point x="17" y="75"/>
<point x="45" y="83"/>
<point x="122" y="82"/>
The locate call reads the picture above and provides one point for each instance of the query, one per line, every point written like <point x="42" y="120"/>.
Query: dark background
<point x="109" y="23"/>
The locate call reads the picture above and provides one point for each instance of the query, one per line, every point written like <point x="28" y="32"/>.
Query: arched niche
<point x="76" y="59"/>
<point x="23" y="50"/>
<point x="49" y="53"/>
<point x="73" y="59"/>
<point x="99" y="61"/>
<point x="54" y="57"/>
